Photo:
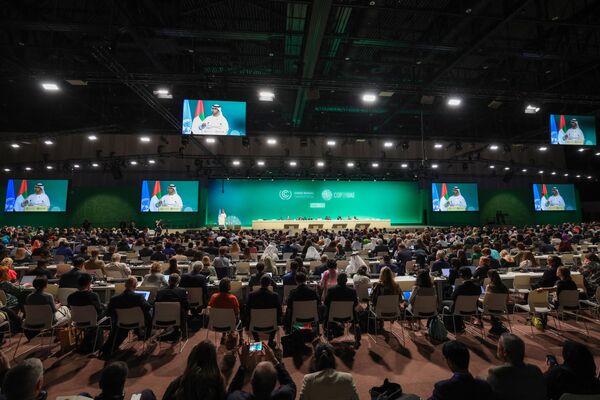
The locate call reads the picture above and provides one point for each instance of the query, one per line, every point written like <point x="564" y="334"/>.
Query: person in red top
<point x="224" y="299"/>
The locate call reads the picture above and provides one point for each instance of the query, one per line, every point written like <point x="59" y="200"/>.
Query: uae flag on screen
<point x="198" y="118"/>
<point x="156" y="195"/>
<point x="21" y="195"/>
<point x="544" y="198"/>
<point x="444" y="198"/>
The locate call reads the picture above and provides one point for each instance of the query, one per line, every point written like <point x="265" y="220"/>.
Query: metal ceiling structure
<point x="318" y="57"/>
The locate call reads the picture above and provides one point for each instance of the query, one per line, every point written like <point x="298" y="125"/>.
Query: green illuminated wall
<point x="247" y="200"/>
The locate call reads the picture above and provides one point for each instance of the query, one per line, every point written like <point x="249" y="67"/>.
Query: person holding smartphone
<point x="577" y="374"/>
<point x="265" y="376"/>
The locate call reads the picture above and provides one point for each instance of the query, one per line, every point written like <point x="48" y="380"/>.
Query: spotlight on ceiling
<point x="434" y="166"/>
<point x="581" y="149"/>
<point x="76" y="166"/>
<point x="48" y="142"/>
<point x="15" y="145"/>
<point x="49" y="167"/>
<point x="375" y="165"/>
<point x="151" y="162"/>
<point x="6" y="169"/>
<point x="210" y="140"/>
<point x="236" y="163"/>
<point x="163" y="93"/>
<point x="542" y="148"/>
<point x="266" y="95"/>
<point x="320" y="164"/>
<point x="438" y="146"/>
<point x="271" y="141"/>
<point x="369" y="97"/>
<point x="454" y="101"/>
<point x="492" y="166"/>
<point x="330" y="143"/>
<point x="92" y="137"/>
<point x="260" y="163"/>
<point x="524" y="170"/>
<point x="350" y="164"/>
<point x="404" y="165"/>
<point x="531" y="109"/>
<point x="388" y="144"/>
<point x="50" y="86"/>
<point x="494" y="147"/>
<point x="133" y="162"/>
<point x="28" y="168"/>
<point x="95" y="165"/>
<point x="293" y="163"/>
<point x="145" y="139"/>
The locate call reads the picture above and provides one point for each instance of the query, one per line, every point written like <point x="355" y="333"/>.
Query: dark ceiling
<point x="317" y="56"/>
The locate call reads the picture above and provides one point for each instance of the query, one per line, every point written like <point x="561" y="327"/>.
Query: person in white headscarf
<point x="38" y="198"/>
<point x="271" y="251"/>
<point x="222" y="217"/>
<point x="573" y="135"/>
<point x="456" y="201"/>
<point x="215" y="124"/>
<point x="555" y="202"/>
<point x="355" y="263"/>
<point x="312" y="254"/>
<point x="171" y="199"/>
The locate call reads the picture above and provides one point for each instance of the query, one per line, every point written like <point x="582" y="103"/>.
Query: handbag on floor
<point x="387" y="391"/>
<point x="436" y="329"/>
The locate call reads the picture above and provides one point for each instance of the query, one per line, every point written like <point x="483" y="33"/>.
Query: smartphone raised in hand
<point x="255" y="346"/>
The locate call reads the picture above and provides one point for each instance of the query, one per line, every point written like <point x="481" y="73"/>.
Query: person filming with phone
<point x="265" y="376"/>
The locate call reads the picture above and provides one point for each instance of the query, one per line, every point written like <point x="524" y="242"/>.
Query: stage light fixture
<point x="531" y="109"/>
<point x="48" y="142"/>
<point x="494" y="147"/>
<point x="578" y="176"/>
<point x="524" y="170"/>
<point x="454" y="101"/>
<point x="28" y="168"/>
<point x="388" y="144"/>
<point x="553" y="173"/>
<point x="331" y="143"/>
<point x="92" y="137"/>
<point x="598" y="154"/>
<point x="350" y="164"/>
<point x="369" y="97"/>
<point x="210" y="140"/>
<point x="405" y="145"/>
<point x="581" y="149"/>
<point x="133" y="162"/>
<point x="375" y="165"/>
<point x="438" y="146"/>
<point x="6" y="169"/>
<point x="507" y="168"/>
<point x="236" y="163"/>
<point x="271" y="141"/>
<point x="49" y="167"/>
<point x="15" y="145"/>
<point x="541" y="171"/>
<point x="260" y="163"/>
<point x="145" y="139"/>
<point x="151" y="162"/>
<point x="76" y="166"/>
<point x="95" y="165"/>
<point x="404" y="165"/>
<point x="50" y="86"/>
<point x="434" y="166"/>
<point x="565" y="175"/>
<point x="320" y="164"/>
<point x="589" y="177"/>
<point x="266" y="95"/>
<point x="293" y="163"/>
<point x="492" y="166"/>
<point x="543" y="148"/>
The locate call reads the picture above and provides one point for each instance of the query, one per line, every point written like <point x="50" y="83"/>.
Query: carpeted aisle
<point x="416" y="366"/>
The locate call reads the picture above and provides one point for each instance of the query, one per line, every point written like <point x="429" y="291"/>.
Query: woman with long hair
<point x="202" y="379"/>
<point x="386" y="285"/>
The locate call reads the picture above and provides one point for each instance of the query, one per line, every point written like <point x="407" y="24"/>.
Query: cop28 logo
<point x="285" y="194"/>
<point x="326" y="194"/>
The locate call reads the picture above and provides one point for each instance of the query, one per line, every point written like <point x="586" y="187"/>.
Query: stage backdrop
<point x="248" y="200"/>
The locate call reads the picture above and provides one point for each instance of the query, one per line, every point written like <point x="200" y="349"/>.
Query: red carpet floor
<point x="416" y="364"/>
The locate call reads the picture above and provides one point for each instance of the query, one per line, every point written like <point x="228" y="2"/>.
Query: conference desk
<point x="317" y="224"/>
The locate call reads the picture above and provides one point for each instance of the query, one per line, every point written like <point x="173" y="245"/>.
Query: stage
<point x="319" y="224"/>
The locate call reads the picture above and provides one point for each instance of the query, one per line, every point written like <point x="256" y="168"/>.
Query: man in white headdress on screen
<point x="553" y="202"/>
<point x="37" y="198"/>
<point x="171" y="199"/>
<point x="222" y="217"/>
<point x="573" y="135"/>
<point x="216" y="123"/>
<point x="456" y="202"/>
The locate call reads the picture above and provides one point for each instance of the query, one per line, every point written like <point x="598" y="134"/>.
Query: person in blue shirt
<point x="169" y="251"/>
<point x="290" y="277"/>
<point x="64" y="250"/>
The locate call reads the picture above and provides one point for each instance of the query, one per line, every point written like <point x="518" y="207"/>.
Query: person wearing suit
<point x="196" y="279"/>
<point x="462" y="385"/>
<point x="256" y="278"/>
<point x="262" y="299"/>
<point x="515" y="380"/>
<point x="341" y="292"/>
<point x="86" y="297"/>
<point x="127" y="299"/>
<point x="326" y="382"/>
<point x="70" y="279"/>
<point x="175" y="294"/>
<point x="301" y="293"/>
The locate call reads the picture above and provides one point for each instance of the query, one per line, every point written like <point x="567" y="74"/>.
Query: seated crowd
<point x="324" y="268"/>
